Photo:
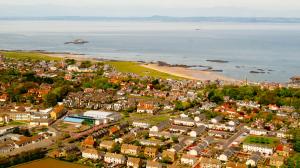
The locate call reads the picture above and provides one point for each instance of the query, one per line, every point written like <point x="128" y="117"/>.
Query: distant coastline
<point x="164" y="18"/>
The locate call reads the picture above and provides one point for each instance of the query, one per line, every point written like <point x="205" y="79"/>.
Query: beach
<point x="189" y="73"/>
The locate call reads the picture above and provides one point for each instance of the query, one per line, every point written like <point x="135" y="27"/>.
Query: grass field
<point x="136" y="68"/>
<point x="28" y="55"/>
<point x="261" y="140"/>
<point x="149" y="118"/>
<point x="49" y="163"/>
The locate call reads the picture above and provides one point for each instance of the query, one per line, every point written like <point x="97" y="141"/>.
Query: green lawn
<point x="28" y="55"/>
<point x="261" y="140"/>
<point x="151" y="119"/>
<point x="136" y="68"/>
<point x="17" y="123"/>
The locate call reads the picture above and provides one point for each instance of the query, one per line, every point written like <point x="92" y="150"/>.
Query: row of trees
<point x="280" y="96"/>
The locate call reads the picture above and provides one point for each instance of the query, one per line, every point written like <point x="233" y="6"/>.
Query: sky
<point x="143" y="8"/>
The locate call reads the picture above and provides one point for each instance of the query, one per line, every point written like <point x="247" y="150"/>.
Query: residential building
<point x="88" y="142"/>
<point x="169" y="155"/>
<point x="134" y="162"/>
<point x="253" y="160"/>
<point x="108" y="145"/>
<point x="141" y="124"/>
<point x="160" y="127"/>
<point x="261" y="148"/>
<point x="91" y="153"/>
<point x="197" y="131"/>
<point x="153" y="164"/>
<point x="209" y="163"/>
<point x="151" y="152"/>
<point x="130" y="149"/>
<point x="184" y="122"/>
<point x="58" y="111"/>
<point x="188" y="159"/>
<point x="114" y="158"/>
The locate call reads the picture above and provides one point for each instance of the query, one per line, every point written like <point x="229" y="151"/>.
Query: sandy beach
<point x="189" y="73"/>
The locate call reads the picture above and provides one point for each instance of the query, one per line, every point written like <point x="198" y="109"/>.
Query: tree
<point x="50" y="100"/>
<point x="85" y="64"/>
<point x="70" y="61"/>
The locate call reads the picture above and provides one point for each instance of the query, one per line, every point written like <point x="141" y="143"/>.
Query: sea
<point x="258" y="51"/>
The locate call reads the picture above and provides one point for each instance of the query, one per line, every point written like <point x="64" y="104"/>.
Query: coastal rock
<point x="77" y="41"/>
<point x="217" y="61"/>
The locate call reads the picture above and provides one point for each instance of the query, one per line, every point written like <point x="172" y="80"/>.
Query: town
<point x="89" y="113"/>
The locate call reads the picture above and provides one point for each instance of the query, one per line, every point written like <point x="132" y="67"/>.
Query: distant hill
<point x="166" y="18"/>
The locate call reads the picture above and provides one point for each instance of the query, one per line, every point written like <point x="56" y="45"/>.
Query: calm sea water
<point x="272" y="47"/>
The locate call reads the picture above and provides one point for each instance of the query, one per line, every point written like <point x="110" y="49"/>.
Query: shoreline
<point x="179" y="71"/>
<point x="192" y="74"/>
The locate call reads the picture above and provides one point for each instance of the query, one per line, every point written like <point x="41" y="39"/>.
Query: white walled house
<point x="141" y="124"/>
<point x="197" y="131"/>
<point x="91" y="154"/>
<point x="259" y="132"/>
<point x="188" y="159"/>
<point x="114" y="158"/>
<point x="263" y="149"/>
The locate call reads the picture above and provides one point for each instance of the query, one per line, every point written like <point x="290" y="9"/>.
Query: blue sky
<point x="136" y="8"/>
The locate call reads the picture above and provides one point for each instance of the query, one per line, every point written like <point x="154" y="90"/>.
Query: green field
<point x="151" y="119"/>
<point x="49" y="163"/>
<point x="136" y="68"/>
<point x="261" y="140"/>
<point x="22" y="55"/>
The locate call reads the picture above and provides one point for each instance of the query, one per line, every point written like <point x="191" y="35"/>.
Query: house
<point x="261" y="148"/>
<point x="188" y="159"/>
<point x="151" y="152"/>
<point x="177" y="147"/>
<point x="235" y="165"/>
<point x="259" y="132"/>
<point x="209" y="163"/>
<point x="114" y="158"/>
<point x="88" y="142"/>
<point x="197" y="131"/>
<point x="58" y="111"/>
<point x="108" y="145"/>
<point x="179" y="129"/>
<point x="134" y="162"/>
<point x="141" y="124"/>
<point x="130" y="149"/>
<point x="283" y="150"/>
<point x="276" y="161"/>
<point x="184" y="122"/>
<point x="153" y="164"/>
<point x="28" y="140"/>
<point x="226" y="155"/>
<point x="217" y="119"/>
<point x="113" y="130"/>
<point x="169" y="155"/>
<point x="161" y="126"/>
<point x="150" y="142"/>
<point x="195" y="151"/>
<point x="253" y="160"/>
<point x="164" y="134"/>
<point x="219" y="134"/>
<point x="19" y="116"/>
<point x="146" y="107"/>
<point x="91" y="153"/>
